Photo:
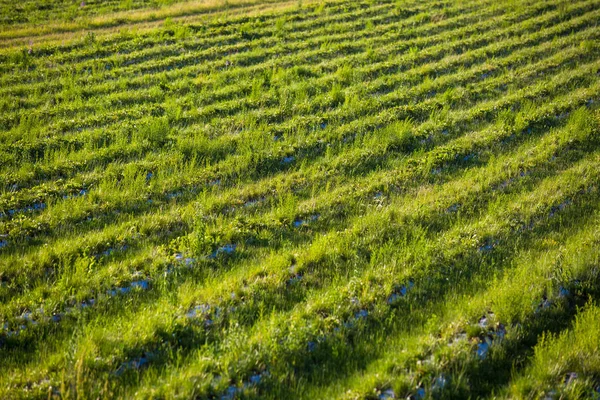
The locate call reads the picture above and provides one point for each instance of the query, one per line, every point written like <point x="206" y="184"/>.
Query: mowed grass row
<point x="74" y="144"/>
<point x="174" y="77"/>
<point x="289" y="348"/>
<point x="416" y="177"/>
<point x="397" y="172"/>
<point x="156" y="171"/>
<point x="231" y="75"/>
<point x="566" y="284"/>
<point x="414" y="275"/>
<point x="466" y="152"/>
<point x="453" y="153"/>
<point x="149" y="166"/>
<point x="33" y="12"/>
<point x="144" y="19"/>
<point x="306" y="25"/>
<point x="142" y="48"/>
<point x="38" y="200"/>
<point x="77" y="144"/>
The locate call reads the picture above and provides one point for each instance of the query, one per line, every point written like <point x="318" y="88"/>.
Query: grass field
<point x="323" y="200"/>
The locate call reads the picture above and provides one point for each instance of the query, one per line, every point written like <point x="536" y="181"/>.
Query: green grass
<point x="343" y="199"/>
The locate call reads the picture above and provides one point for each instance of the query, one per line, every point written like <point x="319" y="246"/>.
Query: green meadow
<point x="341" y="199"/>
